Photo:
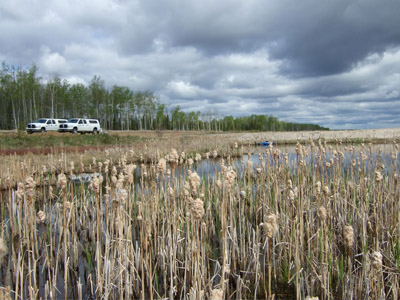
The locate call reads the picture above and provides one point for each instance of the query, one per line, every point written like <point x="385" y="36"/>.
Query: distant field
<point x="21" y="140"/>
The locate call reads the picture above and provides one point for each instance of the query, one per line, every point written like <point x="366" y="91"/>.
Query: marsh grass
<point x="322" y="222"/>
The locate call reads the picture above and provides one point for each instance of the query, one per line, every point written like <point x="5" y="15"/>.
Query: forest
<point x="26" y="96"/>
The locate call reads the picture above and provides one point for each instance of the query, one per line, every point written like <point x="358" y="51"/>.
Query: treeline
<point x="25" y="96"/>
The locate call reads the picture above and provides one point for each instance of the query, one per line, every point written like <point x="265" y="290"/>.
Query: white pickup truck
<point x="76" y="125"/>
<point x="44" y="124"/>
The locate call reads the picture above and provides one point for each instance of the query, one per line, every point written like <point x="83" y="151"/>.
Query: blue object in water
<point x="265" y="144"/>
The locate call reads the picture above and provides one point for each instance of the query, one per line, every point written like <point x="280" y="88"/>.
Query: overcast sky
<point x="335" y="63"/>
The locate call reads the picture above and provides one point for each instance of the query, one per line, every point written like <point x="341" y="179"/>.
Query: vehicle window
<point x="53" y="121"/>
<point x="40" y="121"/>
<point x="80" y="122"/>
<point x="84" y="121"/>
<point x="48" y="122"/>
<point x="73" y="121"/>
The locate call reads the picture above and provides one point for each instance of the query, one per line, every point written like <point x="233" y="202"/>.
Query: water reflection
<point x="384" y="155"/>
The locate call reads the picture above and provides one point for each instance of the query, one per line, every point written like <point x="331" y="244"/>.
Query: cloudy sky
<point x="335" y="63"/>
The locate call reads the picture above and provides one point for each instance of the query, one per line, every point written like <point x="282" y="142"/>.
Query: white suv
<point x="76" y="125"/>
<point x="44" y="124"/>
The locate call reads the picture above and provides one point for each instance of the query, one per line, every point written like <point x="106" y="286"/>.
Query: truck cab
<point x="44" y="124"/>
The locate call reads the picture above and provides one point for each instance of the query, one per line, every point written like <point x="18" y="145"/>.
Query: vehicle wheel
<point x="95" y="131"/>
<point x="42" y="129"/>
<point x="75" y="130"/>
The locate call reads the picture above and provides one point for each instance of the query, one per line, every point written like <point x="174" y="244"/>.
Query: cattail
<point x="322" y="213"/>
<point x="198" y="157"/>
<point x="271" y="225"/>
<point x="62" y="181"/>
<point x="41" y="216"/>
<point x="3" y="248"/>
<point x="236" y="145"/>
<point x="363" y="156"/>
<point x="218" y="183"/>
<point x="120" y="182"/>
<point x="230" y="176"/>
<point x="51" y="194"/>
<point x="194" y="180"/>
<point x="173" y="156"/>
<point x="378" y="176"/>
<point x="171" y="192"/>
<point x="291" y="195"/>
<point x="376" y="258"/>
<point x="299" y="149"/>
<point x="326" y="190"/>
<point x="20" y="190"/>
<point x="67" y="205"/>
<point x="318" y="186"/>
<point x="249" y="164"/>
<point x="162" y="166"/>
<point x="114" y="171"/>
<point x="95" y="184"/>
<point x="197" y="208"/>
<point x="289" y="183"/>
<point x="217" y="294"/>
<point x="243" y="194"/>
<point x="30" y="186"/>
<point x="348" y="233"/>
<point x="190" y="162"/>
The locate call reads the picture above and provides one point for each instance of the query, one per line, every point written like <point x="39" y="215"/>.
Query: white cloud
<point x="181" y="89"/>
<point x="52" y="62"/>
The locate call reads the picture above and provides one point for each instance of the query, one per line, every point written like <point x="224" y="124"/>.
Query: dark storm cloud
<point x="312" y="38"/>
<point x="335" y="63"/>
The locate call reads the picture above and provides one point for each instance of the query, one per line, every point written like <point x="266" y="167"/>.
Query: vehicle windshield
<point x="40" y="121"/>
<point x="73" y="120"/>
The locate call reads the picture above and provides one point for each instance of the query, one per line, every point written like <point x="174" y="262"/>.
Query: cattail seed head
<point x="318" y="186"/>
<point x="378" y="176"/>
<point x="326" y="190"/>
<point x="271" y="225"/>
<point x="62" y="181"/>
<point x="197" y="208"/>
<point x="95" y="184"/>
<point x="41" y="216"/>
<point x="376" y="258"/>
<point x="173" y="156"/>
<point x="198" y="157"/>
<point x="217" y="294"/>
<point x="322" y="213"/>
<point x="190" y="162"/>
<point x="348" y="233"/>
<point x="20" y="190"/>
<point x="194" y="180"/>
<point x="3" y="248"/>
<point x="162" y="166"/>
<point x="218" y="183"/>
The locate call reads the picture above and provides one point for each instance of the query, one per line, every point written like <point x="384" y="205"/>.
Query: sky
<point x="335" y="63"/>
